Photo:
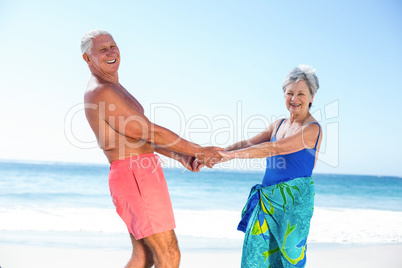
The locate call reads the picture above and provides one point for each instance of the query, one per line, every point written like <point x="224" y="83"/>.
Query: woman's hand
<point x="226" y="156"/>
<point x="197" y="164"/>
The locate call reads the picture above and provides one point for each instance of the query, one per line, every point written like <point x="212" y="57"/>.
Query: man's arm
<point x="128" y="121"/>
<point x="186" y="160"/>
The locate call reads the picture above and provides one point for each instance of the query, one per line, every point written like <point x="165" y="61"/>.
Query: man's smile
<point x="111" y="61"/>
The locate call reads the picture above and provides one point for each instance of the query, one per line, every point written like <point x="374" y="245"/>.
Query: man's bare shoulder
<point x="99" y="91"/>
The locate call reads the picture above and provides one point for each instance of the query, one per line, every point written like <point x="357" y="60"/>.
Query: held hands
<point x="223" y="157"/>
<point x="188" y="161"/>
<point x="226" y="156"/>
<point x="208" y="156"/>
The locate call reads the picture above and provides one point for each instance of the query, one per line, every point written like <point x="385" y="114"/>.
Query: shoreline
<point x="121" y="242"/>
<point x="21" y="256"/>
<point x="104" y="164"/>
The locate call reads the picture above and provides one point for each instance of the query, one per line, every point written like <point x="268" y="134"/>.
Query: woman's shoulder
<point x="278" y="122"/>
<point x="312" y="126"/>
<point x="311" y="121"/>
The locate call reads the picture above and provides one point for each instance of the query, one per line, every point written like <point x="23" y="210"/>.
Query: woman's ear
<point x="311" y="99"/>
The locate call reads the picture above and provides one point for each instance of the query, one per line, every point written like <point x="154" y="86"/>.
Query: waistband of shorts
<point x="133" y="159"/>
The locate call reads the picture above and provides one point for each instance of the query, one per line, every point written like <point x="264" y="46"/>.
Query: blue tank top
<point x="281" y="168"/>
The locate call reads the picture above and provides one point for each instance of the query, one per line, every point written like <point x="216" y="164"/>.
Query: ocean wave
<point x="329" y="225"/>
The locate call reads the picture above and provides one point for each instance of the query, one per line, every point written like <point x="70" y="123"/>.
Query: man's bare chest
<point x="130" y="99"/>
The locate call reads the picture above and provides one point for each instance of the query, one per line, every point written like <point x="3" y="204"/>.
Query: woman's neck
<point x="299" y="118"/>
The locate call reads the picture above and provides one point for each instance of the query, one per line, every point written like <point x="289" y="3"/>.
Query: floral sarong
<point x="276" y="222"/>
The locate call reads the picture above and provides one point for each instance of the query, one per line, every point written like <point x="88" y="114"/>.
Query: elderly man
<point x="129" y="140"/>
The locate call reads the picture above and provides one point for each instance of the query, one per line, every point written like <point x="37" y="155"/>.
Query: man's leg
<point x="141" y="256"/>
<point x="165" y="249"/>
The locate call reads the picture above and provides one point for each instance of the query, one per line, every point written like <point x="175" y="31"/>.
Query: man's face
<point x="105" y="55"/>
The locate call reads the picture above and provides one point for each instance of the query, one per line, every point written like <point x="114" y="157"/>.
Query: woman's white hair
<point x="86" y="40"/>
<point x="305" y="73"/>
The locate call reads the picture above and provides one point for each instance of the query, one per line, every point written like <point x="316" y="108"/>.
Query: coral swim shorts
<point x="140" y="195"/>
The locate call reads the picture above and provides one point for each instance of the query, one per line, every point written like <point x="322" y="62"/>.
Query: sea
<point x="69" y="205"/>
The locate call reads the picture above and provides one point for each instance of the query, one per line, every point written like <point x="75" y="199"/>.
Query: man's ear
<point x="86" y="58"/>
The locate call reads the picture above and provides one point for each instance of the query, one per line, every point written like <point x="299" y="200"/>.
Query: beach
<point x="61" y="215"/>
<point x="19" y="256"/>
<point x="45" y="247"/>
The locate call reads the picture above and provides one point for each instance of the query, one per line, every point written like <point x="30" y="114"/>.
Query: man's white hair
<point x="86" y="40"/>
<point x="302" y="72"/>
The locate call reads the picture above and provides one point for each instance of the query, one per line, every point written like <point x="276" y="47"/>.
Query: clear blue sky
<point x="204" y="59"/>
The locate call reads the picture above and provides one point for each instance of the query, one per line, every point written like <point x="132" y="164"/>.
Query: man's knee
<point x="171" y="256"/>
<point x="175" y="255"/>
<point x="141" y="255"/>
<point x="173" y="249"/>
<point x="164" y="247"/>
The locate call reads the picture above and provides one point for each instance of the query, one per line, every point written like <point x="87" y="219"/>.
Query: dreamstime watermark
<point x="221" y="130"/>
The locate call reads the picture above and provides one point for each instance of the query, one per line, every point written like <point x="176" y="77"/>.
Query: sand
<point x="22" y="256"/>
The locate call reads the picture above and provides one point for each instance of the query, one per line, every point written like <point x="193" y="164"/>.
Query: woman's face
<point x="298" y="97"/>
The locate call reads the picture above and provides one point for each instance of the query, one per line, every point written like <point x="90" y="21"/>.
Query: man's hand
<point x="197" y="165"/>
<point x="209" y="155"/>
<point x="225" y="156"/>
<point x="190" y="162"/>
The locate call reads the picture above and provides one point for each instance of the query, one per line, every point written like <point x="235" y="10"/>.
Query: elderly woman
<point x="276" y="217"/>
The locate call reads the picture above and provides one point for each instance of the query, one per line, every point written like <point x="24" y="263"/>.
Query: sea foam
<point x="329" y="225"/>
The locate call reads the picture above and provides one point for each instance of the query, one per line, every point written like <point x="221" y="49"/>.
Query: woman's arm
<point x="304" y="138"/>
<point x="261" y="137"/>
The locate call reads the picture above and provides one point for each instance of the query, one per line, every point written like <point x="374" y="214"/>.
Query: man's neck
<point x="101" y="76"/>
